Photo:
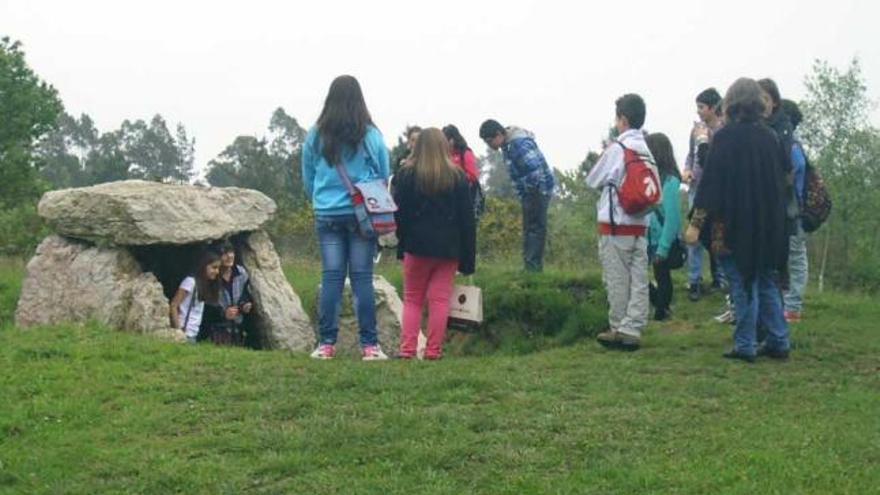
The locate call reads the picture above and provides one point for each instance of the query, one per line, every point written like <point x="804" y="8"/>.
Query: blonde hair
<point x="434" y="172"/>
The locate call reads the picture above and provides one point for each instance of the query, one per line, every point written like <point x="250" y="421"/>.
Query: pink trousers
<point x="431" y="279"/>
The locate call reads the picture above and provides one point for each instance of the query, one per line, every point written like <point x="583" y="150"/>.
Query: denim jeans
<point x="695" y="255"/>
<point x="534" y="225"/>
<point x="345" y="252"/>
<point x="798" y="271"/>
<point x="758" y="304"/>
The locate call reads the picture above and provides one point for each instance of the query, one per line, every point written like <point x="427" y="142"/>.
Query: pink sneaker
<point x="373" y="353"/>
<point x="793" y="316"/>
<point x="324" y="351"/>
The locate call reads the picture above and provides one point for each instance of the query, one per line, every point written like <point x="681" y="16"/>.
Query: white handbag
<point x="465" y="307"/>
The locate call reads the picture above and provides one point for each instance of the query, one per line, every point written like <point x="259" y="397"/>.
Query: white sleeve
<point x="188" y="284"/>
<point x="601" y="172"/>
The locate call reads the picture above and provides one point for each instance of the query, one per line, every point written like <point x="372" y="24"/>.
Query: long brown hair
<point x="434" y="173"/>
<point x="208" y="290"/>
<point x="344" y="120"/>
<point x="661" y="148"/>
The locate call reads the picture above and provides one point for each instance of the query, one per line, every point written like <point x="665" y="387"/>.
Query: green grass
<point x="86" y="410"/>
<point x="11" y="275"/>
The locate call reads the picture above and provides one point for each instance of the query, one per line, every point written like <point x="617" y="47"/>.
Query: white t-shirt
<point x="195" y="316"/>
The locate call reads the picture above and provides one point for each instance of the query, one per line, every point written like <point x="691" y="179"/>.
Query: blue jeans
<point x="798" y="271"/>
<point x="534" y="225"/>
<point x="695" y="255"/>
<point x="759" y="303"/>
<point x="345" y="251"/>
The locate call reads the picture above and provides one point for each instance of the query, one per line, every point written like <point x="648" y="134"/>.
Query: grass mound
<point x="530" y="312"/>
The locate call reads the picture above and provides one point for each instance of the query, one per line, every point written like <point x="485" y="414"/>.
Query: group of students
<point x="745" y="176"/>
<point x="745" y="172"/>
<point x="437" y="192"/>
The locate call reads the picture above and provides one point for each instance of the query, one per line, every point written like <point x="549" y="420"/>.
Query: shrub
<point x="21" y="230"/>
<point x="528" y="312"/>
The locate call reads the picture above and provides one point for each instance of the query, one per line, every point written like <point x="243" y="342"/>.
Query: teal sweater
<point x="321" y="181"/>
<point x="661" y="235"/>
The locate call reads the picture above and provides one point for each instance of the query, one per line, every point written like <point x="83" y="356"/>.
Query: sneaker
<point x="694" y="292"/>
<point x="324" y="351"/>
<point x="765" y="351"/>
<point x="662" y="314"/>
<point x="630" y="342"/>
<point x="726" y="317"/>
<point x="734" y="354"/>
<point x="609" y="338"/>
<point x="373" y="353"/>
<point x="719" y="286"/>
<point x="615" y="340"/>
<point x="793" y="316"/>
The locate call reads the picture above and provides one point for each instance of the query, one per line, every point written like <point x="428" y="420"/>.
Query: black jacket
<point x="438" y="227"/>
<point x="743" y="188"/>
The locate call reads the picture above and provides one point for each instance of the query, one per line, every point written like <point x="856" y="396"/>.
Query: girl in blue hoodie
<point x="344" y="136"/>
<point x="665" y="223"/>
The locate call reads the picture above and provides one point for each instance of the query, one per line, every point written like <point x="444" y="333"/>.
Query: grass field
<point x="86" y="410"/>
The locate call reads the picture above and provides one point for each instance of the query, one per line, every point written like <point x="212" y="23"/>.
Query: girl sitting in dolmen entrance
<point x="187" y="307"/>
<point x="234" y="301"/>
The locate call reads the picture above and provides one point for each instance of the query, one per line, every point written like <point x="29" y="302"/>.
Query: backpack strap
<point x="192" y="302"/>
<point x="346" y="180"/>
<point x="613" y="189"/>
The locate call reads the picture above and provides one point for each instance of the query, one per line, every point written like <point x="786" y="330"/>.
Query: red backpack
<point x="640" y="190"/>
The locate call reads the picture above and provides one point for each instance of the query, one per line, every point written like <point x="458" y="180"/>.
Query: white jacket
<point x="610" y="170"/>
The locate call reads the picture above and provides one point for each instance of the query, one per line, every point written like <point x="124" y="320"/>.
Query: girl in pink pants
<point x="436" y="230"/>
<point x="431" y="279"/>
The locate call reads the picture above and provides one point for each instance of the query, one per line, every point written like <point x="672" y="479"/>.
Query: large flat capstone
<point x="138" y="213"/>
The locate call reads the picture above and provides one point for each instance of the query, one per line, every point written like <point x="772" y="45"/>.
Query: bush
<point x="529" y="312"/>
<point x="21" y="230"/>
<point x="293" y="233"/>
<point x="11" y="276"/>
<point x="499" y="234"/>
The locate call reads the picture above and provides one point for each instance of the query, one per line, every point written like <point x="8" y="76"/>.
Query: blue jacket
<point x="799" y="167"/>
<point x="662" y="234"/>
<point x="321" y="181"/>
<point x="526" y="164"/>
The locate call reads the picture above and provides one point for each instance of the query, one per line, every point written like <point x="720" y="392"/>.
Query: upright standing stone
<point x="282" y="322"/>
<point x="389" y="319"/>
<point x="72" y="281"/>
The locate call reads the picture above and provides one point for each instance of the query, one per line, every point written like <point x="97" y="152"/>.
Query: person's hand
<point x="700" y="133"/>
<point x="691" y="235"/>
<point x="687" y="176"/>
<point x="232" y="312"/>
<point x="659" y="260"/>
<point x="246" y="307"/>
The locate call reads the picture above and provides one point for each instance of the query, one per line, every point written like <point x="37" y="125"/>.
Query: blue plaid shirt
<point x="526" y="164"/>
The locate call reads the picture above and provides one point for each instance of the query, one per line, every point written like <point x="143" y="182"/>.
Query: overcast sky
<point x="222" y="67"/>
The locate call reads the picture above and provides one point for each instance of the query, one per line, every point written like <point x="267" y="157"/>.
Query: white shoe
<point x="324" y="351"/>
<point x="373" y="353"/>
<point x="726" y="317"/>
